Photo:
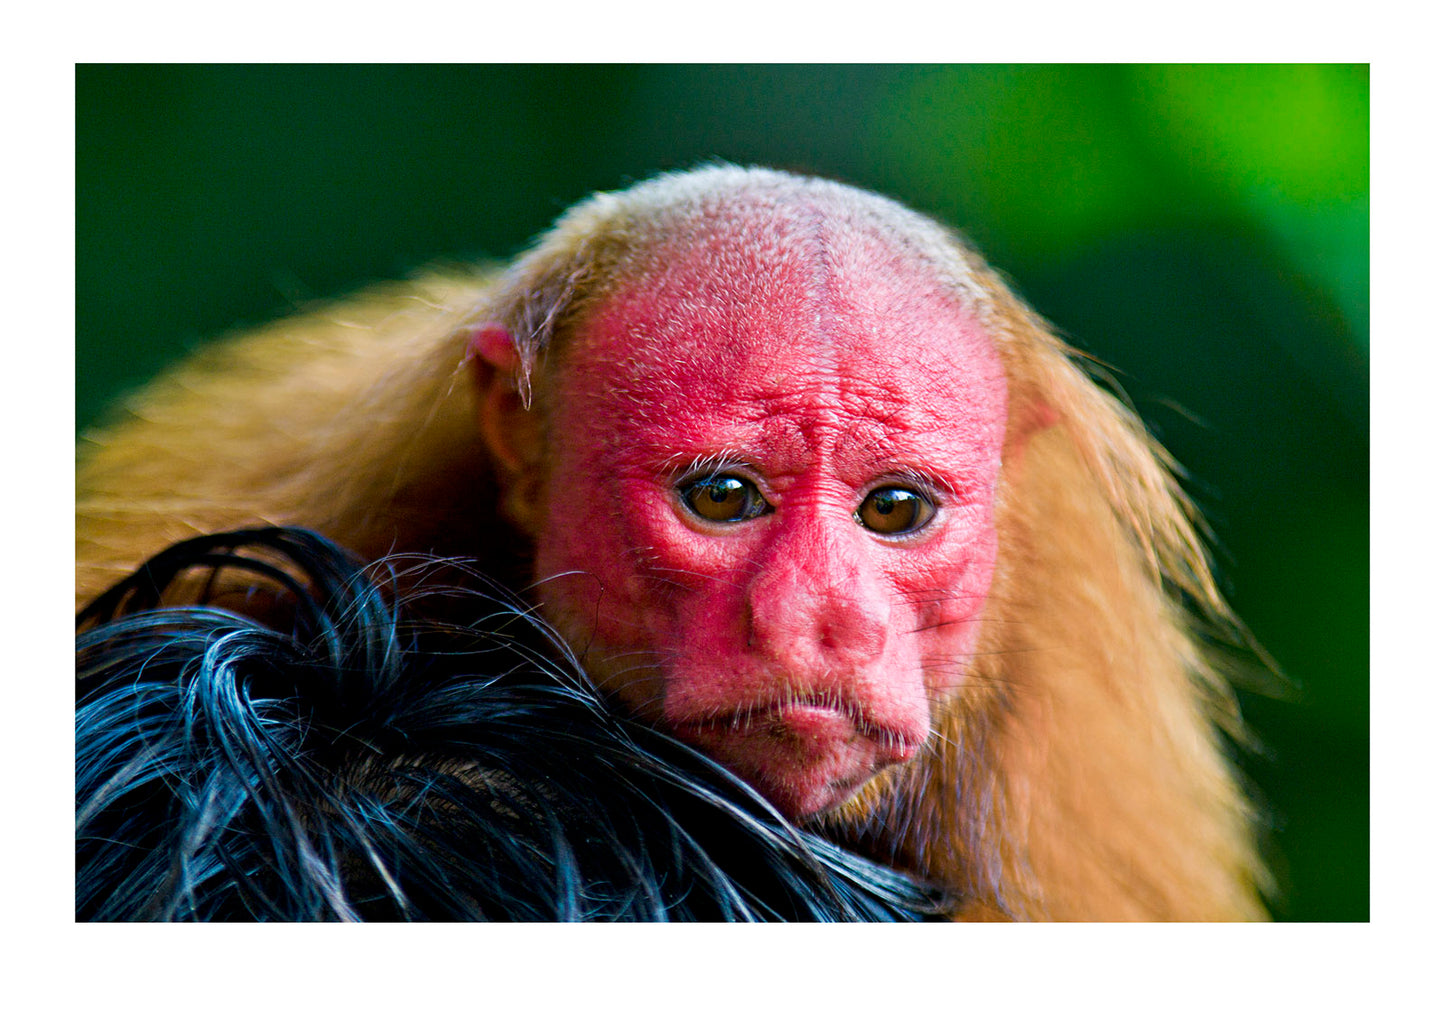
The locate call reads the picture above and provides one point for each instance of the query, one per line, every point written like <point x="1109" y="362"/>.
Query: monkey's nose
<point x="808" y="623"/>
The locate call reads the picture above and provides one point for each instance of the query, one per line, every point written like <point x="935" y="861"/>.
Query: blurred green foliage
<point x="1202" y="230"/>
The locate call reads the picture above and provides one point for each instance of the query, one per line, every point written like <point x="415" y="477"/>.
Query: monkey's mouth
<point x="803" y="757"/>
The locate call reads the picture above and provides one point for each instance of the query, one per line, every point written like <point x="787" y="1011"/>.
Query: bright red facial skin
<point x="798" y="648"/>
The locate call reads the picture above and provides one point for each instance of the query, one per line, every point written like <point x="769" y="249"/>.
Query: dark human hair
<point x="295" y="741"/>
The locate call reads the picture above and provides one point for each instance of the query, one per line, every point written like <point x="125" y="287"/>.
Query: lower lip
<point x="806" y="759"/>
<point x="788" y="716"/>
<point x="814" y="724"/>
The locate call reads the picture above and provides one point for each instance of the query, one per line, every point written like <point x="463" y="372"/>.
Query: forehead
<point x="763" y="289"/>
<point x="798" y="318"/>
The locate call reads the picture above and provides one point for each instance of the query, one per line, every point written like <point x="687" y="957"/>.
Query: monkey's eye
<point x="723" y="498"/>
<point x="893" y="510"/>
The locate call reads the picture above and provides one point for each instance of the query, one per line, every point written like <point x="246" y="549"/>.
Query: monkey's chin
<point x="804" y="759"/>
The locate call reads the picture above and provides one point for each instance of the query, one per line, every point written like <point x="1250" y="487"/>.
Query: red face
<point x="769" y="515"/>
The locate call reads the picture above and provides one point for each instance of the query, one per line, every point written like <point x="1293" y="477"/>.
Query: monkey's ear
<point x="511" y="431"/>
<point x="491" y="345"/>
<point x="1032" y="415"/>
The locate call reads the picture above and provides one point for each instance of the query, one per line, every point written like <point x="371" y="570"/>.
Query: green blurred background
<point x="1201" y="229"/>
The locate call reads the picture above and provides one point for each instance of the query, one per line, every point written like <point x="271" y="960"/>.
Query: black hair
<point x="301" y="742"/>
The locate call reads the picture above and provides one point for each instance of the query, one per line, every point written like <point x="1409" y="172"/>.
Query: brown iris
<point x="723" y="498"/>
<point x="893" y="510"/>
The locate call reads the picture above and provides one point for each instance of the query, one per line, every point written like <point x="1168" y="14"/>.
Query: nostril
<point x="823" y="632"/>
<point x="854" y="629"/>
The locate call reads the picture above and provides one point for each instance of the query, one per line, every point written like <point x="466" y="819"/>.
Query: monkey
<point x="802" y="483"/>
<point x="366" y="763"/>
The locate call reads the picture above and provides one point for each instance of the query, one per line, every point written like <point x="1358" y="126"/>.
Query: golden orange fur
<point x="1078" y="775"/>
